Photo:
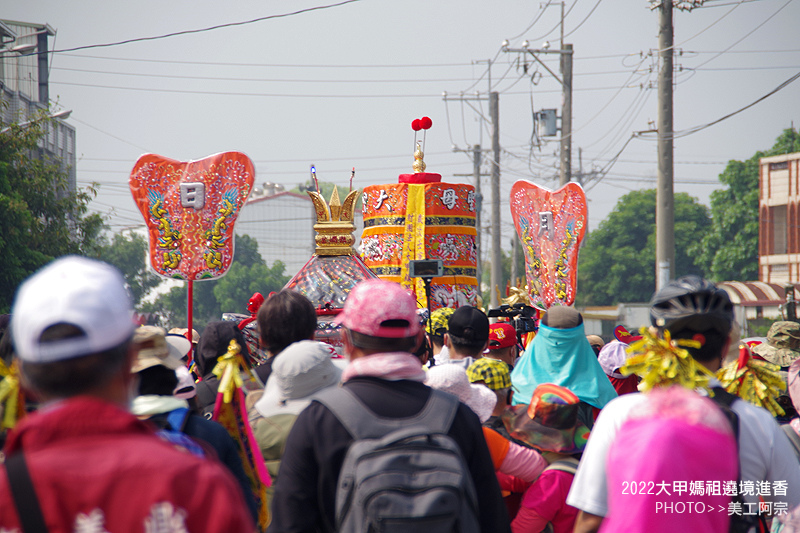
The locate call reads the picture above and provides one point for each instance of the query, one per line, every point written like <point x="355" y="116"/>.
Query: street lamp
<point x="19" y="49"/>
<point x="61" y="115"/>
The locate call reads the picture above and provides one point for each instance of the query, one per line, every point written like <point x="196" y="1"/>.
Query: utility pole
<point x="476" y="172"/>
<point x="665" y="204"/>
<point x="514" y="259"/>
<point x="496" y="228"/>
<point x="566" y="53"/>
<point x="477" y="155"/>
<point x="566" y="115"/>
<point x="497" y="254"/>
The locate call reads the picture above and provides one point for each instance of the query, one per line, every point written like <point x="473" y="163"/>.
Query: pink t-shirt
<point x="546" y="501"/>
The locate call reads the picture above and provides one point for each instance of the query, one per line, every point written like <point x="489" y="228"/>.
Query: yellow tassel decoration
<point x="664" y="362"/>
<point x="755" y="381"/>
<point x="229" y="370"/>
<point x="12" y="400"/>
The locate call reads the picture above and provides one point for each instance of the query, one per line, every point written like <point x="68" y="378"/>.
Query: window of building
<point x="779" y="229"/>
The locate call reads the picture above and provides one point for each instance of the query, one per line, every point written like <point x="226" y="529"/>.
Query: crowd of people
<point x="444" y="424"/>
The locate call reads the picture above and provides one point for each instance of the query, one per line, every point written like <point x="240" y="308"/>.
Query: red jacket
<point x="93" y="463"/>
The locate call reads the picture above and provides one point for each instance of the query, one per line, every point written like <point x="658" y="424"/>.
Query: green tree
<point x="41" y="218"/>
<point x="128" y="253"/>
<point x="728" y="250"/>
<point x="229" y="294"/>
<point x="617" y="260"/>
<point x="234" y="290"/>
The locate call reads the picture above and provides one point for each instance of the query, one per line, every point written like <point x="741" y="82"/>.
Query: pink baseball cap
<point x="380" y="308"/>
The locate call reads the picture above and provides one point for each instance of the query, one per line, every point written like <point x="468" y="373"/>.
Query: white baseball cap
<point x="298" y="373"/>
<point x="88" y="294"/>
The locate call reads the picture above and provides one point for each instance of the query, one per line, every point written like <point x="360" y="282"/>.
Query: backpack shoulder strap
<point x="569" y="465"/>
<point x="437" y="415"/>
<point x="724" y="401"/>
<point x="25" y="500"/>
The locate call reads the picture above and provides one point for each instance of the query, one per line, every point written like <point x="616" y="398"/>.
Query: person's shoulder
<point x="754" y="418"/>
<point x="743" y="408"/>
<point x="207" y="424"/>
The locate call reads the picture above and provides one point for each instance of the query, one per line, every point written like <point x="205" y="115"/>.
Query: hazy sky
<point x="339" y="87"/>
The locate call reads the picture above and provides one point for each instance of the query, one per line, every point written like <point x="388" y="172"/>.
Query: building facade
<point x="25" y="89"/>
<point x="282" y="223"/>
<point x="779" y="219"/>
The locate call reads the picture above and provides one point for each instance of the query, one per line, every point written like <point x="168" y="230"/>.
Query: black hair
<point x="424" y="352"/>
<point x="464" y="346"/>
<point x="77" y="375"/>
<point x="286" y="317"/>
<point x="382" y="344"/>
<point x="157" y="380"/>
<point x="711" y="343"/>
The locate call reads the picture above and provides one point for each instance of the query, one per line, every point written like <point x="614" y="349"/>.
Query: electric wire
<point x="573" y="30"/>
<point x="695" y="129"/>
<point x="613" y="97"/>
<point x="272" y="65"/>
<point x="709" y="26"/>
<point x="260" y="80"/>
<point x="109" y="134"/>
<point x="704" y="6"/>
<point x="535" y="20"/>
<point x="557" y="23"/>
<point x="198" y="30"/>
<point x="746" y="35"/>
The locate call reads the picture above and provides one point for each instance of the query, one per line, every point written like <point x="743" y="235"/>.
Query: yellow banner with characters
<point x="409" y="221"/>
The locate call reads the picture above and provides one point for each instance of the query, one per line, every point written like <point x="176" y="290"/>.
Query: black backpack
<point x="403" y="474"/>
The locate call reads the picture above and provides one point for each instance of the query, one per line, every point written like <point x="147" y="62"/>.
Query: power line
<point x="199" y="30"/>
<point x="740" y="69"/>
<point x="709" y="26"/>
<point x="295" y="95"/>
<point x="535" y="20"/>
<point x="559" y="22"/>
<point x="228" y="93"/>
<point x="573" y="30"/>
<point x="784" y="51"/>
<point x="261" y="80"/>
<point x="109" y="134"/>
<point x="695" y="129"/>
<point x="382" y="66"/>
<point x="613" y="97"/>
<point x="271" y="65"/>
<point x="746" y="35"/>
<point x="740" y="2"/>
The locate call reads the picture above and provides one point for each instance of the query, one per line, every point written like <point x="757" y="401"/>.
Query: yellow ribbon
<point x="663" y="362"/>
<point x="757" y="382"/>
<point x="414" y="239"/>
<point x="9" y="395"/>
<point x="228" y="369"/>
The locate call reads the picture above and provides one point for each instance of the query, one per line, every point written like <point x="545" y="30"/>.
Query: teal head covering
<point x="563" y="357"/>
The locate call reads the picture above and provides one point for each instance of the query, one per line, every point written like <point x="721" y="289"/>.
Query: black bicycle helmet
<point x="692" y="303"/>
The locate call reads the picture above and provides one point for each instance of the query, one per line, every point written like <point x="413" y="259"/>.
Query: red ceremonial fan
<point x="623" y="335"/>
